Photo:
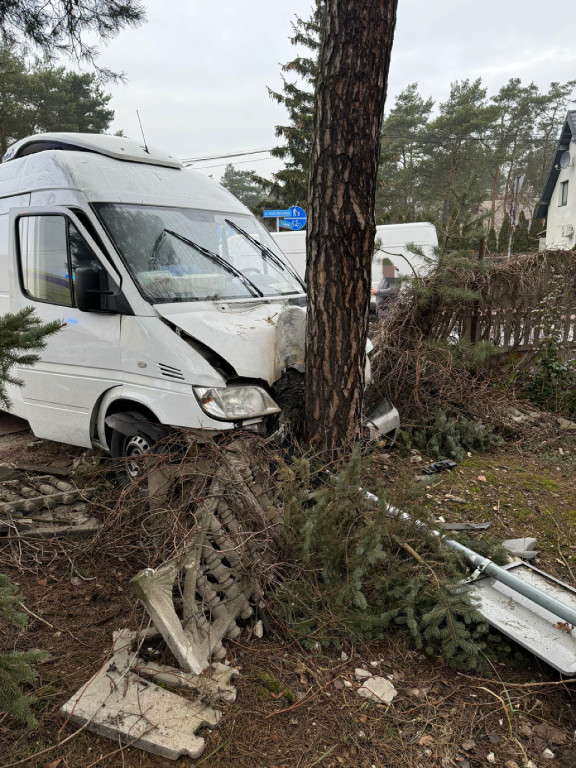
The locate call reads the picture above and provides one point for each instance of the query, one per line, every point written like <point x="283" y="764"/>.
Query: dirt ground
<point x="297" y="709"/>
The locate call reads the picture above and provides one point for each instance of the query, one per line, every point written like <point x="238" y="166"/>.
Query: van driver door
<point x="80" y="361"/>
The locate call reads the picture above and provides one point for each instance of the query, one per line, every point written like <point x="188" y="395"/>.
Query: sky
<point x="198" y="71"/>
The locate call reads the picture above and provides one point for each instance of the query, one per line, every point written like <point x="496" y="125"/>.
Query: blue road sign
<point x="269" y="214"/>
<point x="294" y="224"/>
<point x="295" y="215"/>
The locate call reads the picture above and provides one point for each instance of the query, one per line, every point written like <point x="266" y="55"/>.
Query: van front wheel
<point x="128" y="449"/>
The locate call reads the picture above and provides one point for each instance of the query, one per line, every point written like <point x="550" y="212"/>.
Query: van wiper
<point x="218" y="260"/>
<point x="266" y="252"/>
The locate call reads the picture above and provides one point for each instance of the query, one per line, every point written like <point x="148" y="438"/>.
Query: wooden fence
<point x="521" y="303"/>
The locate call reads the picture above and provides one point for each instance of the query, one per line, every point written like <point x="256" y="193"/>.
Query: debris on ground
<point x="43" y="506"/>
<point x="378" y="689"/>
<point x="524" y="548"/>
<point x="121" y="705"/>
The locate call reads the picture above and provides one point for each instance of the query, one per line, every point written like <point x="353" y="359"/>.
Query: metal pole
<point x="518" y="585"/>
<point x="489" y="568"/>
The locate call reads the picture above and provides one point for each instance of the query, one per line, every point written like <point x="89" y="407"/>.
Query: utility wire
<point x="222" y="157"/>
<point x="421" y="139"/>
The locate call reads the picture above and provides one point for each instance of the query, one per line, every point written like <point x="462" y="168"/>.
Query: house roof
<point x="568" y="134"/>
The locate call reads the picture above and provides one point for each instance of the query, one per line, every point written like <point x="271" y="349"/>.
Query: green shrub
<point x="16" y="668"/>
<point x="447" y="437"/>
<point x="363" y="572"/>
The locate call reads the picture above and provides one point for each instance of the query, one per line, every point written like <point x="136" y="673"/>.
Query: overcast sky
<point x="198" y="71"/>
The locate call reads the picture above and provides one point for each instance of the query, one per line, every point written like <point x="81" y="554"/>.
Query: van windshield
<point x="180" y="254"/>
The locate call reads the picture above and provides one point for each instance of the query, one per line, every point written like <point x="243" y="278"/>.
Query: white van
<point x="179" y="308"/>
<point x="392" y="241"/>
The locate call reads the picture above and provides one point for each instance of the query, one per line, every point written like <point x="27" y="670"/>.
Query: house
<point x="558" y="202"/>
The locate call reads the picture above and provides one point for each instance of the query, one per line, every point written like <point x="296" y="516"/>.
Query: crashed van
<point x="179" y="308"/>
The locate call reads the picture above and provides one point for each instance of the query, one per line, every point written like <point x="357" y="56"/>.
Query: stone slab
<point x="118" y="704"/>
<point x="378" y="689"/>
<point x="213" y="683"/>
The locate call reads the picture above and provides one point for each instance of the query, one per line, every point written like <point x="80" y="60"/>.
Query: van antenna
<point x="143" y="137"/>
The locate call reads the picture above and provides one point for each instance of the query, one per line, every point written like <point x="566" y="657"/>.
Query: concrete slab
<point x="119" y="704"/>
<point x="213" y="684"/>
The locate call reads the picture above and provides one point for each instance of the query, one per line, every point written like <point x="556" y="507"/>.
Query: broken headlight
<point x="235" y="403"/>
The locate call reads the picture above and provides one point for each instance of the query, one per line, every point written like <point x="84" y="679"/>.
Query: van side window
<point x="43" y="242"/>
<point x="51" y="250"/>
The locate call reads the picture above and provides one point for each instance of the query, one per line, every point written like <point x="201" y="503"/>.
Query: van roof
<point x="97" y="178"/>
<point x="118" y="147"/>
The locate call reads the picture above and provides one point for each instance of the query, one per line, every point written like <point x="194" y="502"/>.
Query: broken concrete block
<point x="378" y="689"/>
<point x="362" y="674"/>
<point x="524" y="548"/>
<point x="118" y="704"/>
<point x="213" y="683"/>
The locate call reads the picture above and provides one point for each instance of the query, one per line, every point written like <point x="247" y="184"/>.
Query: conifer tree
<point x="57" y="26"/>
<point x="492" y="241"/>
<point x="520" y="240"/>
<point x="504" y="235"/>
<point x="290" y="185"/>
<point x="536" y="226"/>
<point x="38" y="98"/>
<point x="22" y="336"/>
<point x="16" y="668"/>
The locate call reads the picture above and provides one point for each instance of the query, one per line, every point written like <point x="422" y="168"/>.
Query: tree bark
<point x="350" y="95"/>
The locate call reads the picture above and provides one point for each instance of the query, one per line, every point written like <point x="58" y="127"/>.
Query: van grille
<point x="170" y="372"/>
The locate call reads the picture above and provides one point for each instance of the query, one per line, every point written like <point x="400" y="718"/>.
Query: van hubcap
<point x="135" y="446"/>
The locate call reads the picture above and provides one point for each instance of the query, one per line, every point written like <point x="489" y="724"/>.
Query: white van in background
<point x="393" y="240"/>
<point x="179" y="308"/>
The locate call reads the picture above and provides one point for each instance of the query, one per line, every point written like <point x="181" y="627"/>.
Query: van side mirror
<point x="88" y="291"/>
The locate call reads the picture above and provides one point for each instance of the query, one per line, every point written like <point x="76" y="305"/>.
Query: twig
<point x="304" y="700"/>
<point x="34" y="616"/>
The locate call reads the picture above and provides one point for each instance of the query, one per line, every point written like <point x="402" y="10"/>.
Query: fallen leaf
<point x="363" y="718"/>
<point x="425" y="741"/>
<point x="338" y="683"/>
<point x="54" y="764"/>
<point x="468" y="745"/>
<point x="482" y="478"/>
<point x="564" y="626"/>
<point x="548" y="734"/>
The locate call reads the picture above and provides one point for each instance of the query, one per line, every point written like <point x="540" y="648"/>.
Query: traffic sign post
<point x="289" y="218"/>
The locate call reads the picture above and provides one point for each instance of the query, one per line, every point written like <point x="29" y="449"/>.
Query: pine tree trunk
<point x="350" y="96"/>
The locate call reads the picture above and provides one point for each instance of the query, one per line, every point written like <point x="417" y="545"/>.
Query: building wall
<point x="561" y="215"/>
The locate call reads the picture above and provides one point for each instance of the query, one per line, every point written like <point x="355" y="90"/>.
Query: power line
<point x="240" y="162"/>
<point x="425" y="139"/>
<point x="420" y="139"/>
<point x="222" y="157"/>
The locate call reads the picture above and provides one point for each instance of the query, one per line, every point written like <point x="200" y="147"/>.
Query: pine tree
<point x="399" y="175"/>
<point x="16" y="668"/>
<point x="492" y="241"/>
<point x="245" y="185"/>
<point x="504" y="235"/>
<point x="373" y="573"/>
<point x="57" y="26"/>
<point x="290" y="185"/>
<point x="536" y="226"/>
<point x="520" y="240"/>
<point x="40" y="98"/>
<point x="22" y="336"/>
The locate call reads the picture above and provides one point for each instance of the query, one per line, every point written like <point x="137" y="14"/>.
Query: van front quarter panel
<point x="176" y="405"/>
